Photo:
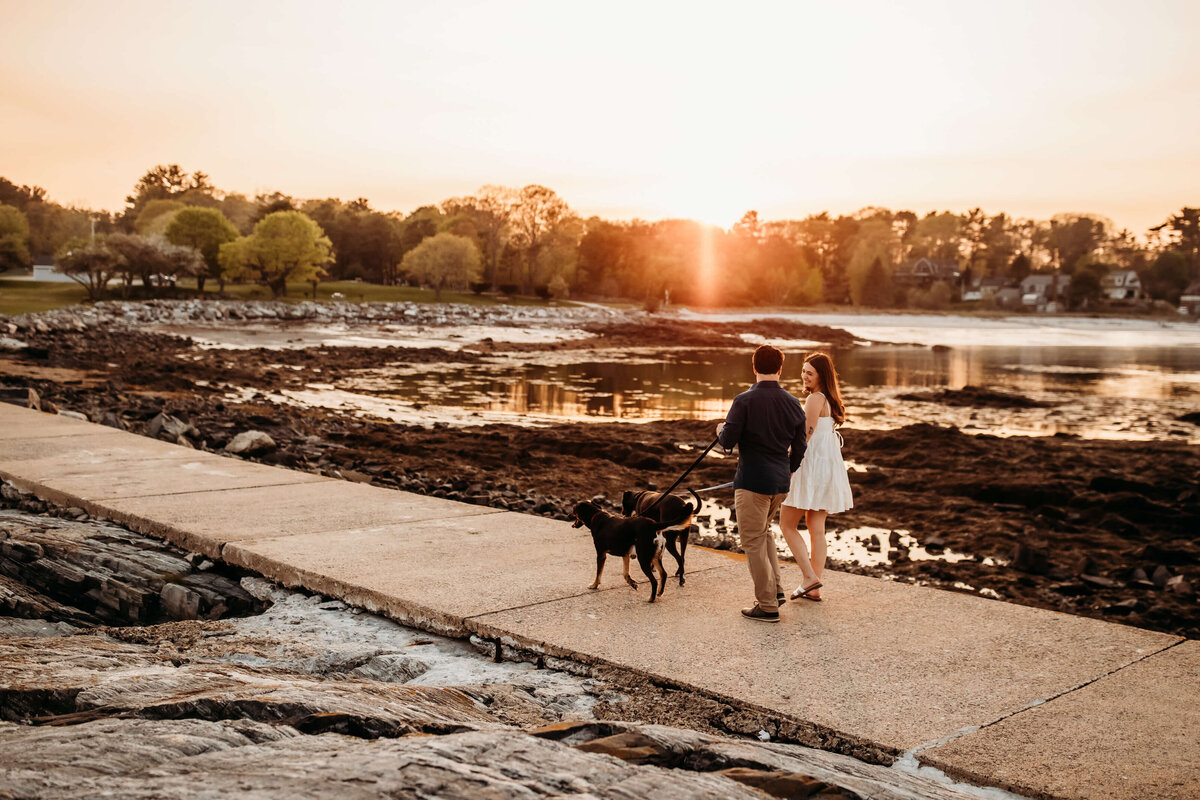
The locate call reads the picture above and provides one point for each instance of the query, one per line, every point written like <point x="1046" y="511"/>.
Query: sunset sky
<point x="626" y="109"/>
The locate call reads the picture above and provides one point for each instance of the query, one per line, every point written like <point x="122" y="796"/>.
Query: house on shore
<point x="1189" y="301"/>
<point x="1121" y="284"/>
<point x="1008" y="297"/>
<point x="984" y="289"/>
<point x="1044" y="291"/>
<point x="47" y="272"/>
<point x="924" y="272"/>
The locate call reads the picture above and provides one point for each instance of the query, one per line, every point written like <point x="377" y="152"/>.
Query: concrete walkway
<point x="1039" y="702"/>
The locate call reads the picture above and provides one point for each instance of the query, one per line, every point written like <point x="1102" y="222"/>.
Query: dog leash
<point x="713" y="488"/>
<point x="679" y="480"/>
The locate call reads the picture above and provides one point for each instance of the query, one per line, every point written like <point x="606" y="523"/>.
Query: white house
<point x="46" y="272"/>
<point x="1043" y="290"/>
<point x="1121" y="284"/>
<point x="1189" y="301"/>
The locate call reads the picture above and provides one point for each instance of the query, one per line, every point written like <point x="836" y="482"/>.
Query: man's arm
<point x="799" y="443"/>
<point x="730" y="431"/>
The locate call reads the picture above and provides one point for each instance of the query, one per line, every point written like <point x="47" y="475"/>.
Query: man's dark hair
<point x="768" y="360"/>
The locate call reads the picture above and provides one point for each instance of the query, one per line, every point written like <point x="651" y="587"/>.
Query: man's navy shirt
<point x="765" y="422"/>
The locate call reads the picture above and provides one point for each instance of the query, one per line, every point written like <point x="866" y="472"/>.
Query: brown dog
<point x="673" y="508"/>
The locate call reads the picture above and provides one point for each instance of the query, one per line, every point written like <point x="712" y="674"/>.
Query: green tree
<point x="167" y="182"/>
<point x="364" y="241"/>
<point x="156" y="215"/>
<point x="1085" y="288"/>
<point x="490" y="212"/>
<point x="536" y="212"/>
<point x="14" y="239"/>
<point x="414" y="229"/>
<point x="1168" y="276"/>
<point x="873" y="245"/>
<point x="876" y="291"/>
<point x="240" y="211"/>
<point x="91" y="264"/>
<point x="151" y="260"/>
<point x="285" y="246"/>
<point x="1074" y="237"/>
<point x="204" y="230"/>
<point x="1020" y="267"/>
<point x="1184" y="232"/>
<point x="265" y="204"/>
<point x="937" y="236"/>
<point x="443" y="261"/>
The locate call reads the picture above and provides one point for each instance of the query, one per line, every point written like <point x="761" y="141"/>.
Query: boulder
<point x="1160" y="576"/>
<point x="169" y="428"/>
<point x="1179" y="585"/>
<point x="250" y="443"/>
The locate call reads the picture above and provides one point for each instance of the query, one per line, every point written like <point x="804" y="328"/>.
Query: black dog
<point x="673" y="508"/>
<point x="622" y="536"/>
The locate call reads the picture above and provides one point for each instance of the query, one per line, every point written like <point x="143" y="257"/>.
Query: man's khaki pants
<point x="754" y="514"/>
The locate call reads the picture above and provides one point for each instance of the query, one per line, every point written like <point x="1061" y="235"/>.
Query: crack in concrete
<point x="915" y="752"/>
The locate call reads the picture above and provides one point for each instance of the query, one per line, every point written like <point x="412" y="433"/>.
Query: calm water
<point x="1100" y="391"/>
<point x="1108" y="378"/>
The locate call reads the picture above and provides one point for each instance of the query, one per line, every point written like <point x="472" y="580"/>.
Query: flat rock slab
<point x="1134" y="734"/>
<point x="446" y="569"/>
<point x="206" y="521"/>
<point x="879" y="662"/>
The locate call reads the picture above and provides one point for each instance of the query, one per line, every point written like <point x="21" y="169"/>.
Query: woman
<point x="820" y="486"/>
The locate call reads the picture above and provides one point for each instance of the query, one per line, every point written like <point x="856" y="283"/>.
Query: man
<point x="767" y="424"/>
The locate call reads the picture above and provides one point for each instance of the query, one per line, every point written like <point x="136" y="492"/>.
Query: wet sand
<point x="1094" y="527"/>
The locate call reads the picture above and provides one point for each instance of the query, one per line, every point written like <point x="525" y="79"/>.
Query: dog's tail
<point x="699" y="503"/>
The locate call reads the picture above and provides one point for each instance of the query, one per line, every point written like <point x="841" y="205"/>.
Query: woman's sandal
<point x="803" y="594"/>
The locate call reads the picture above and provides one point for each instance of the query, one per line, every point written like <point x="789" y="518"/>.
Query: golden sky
<point x="646" y="109"/>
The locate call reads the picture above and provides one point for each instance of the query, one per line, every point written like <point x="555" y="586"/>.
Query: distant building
<point x="1008" y="297"/>
<point x="1189" y="301"/>
<point x="983" y="289"/>
<point x="1044" y="290"/>
<point x="989" y="286"/>
<point x="924" y="272"/>
<point x="46" y="272"/>
<point x="1121" y="284"/>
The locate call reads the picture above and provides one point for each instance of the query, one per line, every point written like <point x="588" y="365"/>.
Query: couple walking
<point x="791" y="463"/>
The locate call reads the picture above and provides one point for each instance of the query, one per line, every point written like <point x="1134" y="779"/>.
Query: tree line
<point x="529" y="241"/>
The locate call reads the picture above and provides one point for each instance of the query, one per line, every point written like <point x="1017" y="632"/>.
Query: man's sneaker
<point x="756" y="612"/>
<point x="780" y="598"/>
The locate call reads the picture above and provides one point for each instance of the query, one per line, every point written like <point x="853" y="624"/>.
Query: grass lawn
<point x="23" y="297"/>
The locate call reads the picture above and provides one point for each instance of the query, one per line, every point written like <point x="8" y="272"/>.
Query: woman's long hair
<point x="823" y="364"/>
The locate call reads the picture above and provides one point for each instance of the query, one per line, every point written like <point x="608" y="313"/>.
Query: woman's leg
<point x="815" y="520"/>
<point x="789" y="526"/>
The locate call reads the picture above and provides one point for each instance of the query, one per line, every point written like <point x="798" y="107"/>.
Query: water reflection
<point x="1098" y="391"/>
<point x="865" y="546"/>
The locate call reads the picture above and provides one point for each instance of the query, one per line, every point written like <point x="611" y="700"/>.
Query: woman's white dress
<point x="820" y="483"/>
